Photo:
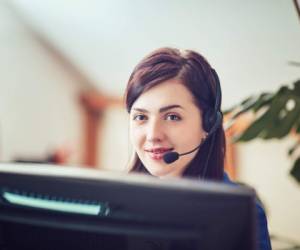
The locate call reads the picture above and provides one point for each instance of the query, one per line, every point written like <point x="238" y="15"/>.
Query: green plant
<point x="276" y="115"/>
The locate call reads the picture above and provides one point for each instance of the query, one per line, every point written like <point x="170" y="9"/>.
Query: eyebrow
<point x="161" y="110"/>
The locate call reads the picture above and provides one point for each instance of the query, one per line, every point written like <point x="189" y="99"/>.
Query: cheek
<point x="190" y="134"/>
<point x="136" y="137"/>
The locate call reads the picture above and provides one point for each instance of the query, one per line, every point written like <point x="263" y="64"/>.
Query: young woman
<point x="174" y="102"/>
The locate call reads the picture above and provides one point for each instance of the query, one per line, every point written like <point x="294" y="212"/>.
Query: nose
<point x="155" y="132"/>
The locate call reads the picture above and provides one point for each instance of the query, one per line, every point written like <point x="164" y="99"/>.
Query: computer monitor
<point x="56" y="207"/>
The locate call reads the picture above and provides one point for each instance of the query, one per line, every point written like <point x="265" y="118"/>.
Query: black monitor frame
<point x="217" y="216"/>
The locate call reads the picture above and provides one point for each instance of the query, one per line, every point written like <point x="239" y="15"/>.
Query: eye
<point x="173" y="117"/>
<point x="139" y="117"/>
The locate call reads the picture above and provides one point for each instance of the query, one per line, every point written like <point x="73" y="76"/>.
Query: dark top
<point x="263" y="238"/>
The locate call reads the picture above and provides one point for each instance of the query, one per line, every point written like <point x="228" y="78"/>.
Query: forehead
<point x="170" y="92"/>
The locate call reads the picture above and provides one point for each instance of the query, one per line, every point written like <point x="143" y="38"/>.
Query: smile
<point x="157" y="153"/>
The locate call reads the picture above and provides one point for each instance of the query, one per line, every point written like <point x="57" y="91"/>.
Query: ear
<point x="204" y="136"/>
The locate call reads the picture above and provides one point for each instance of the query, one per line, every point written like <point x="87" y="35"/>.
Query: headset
<point x="212" y="119"/>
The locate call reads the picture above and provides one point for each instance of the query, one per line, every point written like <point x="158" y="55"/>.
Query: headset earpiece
<point x="209" y="119"/>
<point x="212" y="118"/>
<point x="212" y="121"/>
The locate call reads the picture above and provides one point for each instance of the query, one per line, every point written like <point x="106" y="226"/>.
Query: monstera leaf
<point x="276" y="116"/>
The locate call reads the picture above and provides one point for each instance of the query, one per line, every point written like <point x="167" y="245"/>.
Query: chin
<point x="157" y="171"/>
<point x="161" y="172"/>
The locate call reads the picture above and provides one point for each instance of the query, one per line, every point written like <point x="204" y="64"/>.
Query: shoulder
<point x="263" y="239"/>
<point x="262" y="228"/>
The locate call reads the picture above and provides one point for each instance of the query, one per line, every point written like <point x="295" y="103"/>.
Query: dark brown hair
<point x="196" y="74"/>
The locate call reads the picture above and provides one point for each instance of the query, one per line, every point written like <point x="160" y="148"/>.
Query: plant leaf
<point x="295" y="171"/>
<point x="263" y="100"/>
<point x="297" y="126"/>
<point x="283" y="125"/>
<point x="297" y="87"/>
<point x="244" y="107"/>
<point x="293" y="148"/>
<point x="244" y="102"/>
<point x="260" y="126"/>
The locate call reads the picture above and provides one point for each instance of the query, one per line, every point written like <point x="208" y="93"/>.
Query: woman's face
<point x="163" y="119"/>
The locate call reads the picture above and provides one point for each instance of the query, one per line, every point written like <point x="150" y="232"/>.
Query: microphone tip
<point x="170" y="157"/>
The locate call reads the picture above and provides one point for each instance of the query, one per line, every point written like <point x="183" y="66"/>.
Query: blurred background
<point x="65" y="64"/>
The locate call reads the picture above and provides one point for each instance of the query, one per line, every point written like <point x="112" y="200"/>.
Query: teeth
<point x="158" y="151"/>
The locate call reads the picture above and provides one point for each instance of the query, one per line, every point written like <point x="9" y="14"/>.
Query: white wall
<point x="114" y="149"/>
<point x="265" y="166"/>
<point x="38" y="106"/>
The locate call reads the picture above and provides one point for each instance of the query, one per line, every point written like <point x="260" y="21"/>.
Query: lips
<point x="157" y="153"/>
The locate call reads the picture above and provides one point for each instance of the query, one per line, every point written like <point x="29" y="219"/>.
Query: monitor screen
<point x="56" y="207"/>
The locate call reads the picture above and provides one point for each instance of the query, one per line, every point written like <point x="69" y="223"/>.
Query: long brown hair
<point x="196" y="74"/>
